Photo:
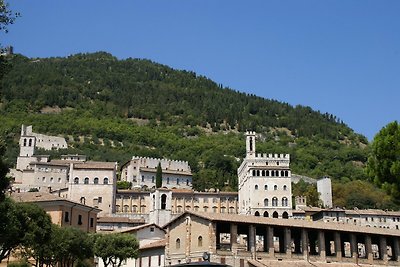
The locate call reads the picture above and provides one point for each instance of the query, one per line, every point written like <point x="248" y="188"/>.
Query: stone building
<point x="324" y="188"/>
<point x="141" y="172"/>
<point x="94" y="183"/>
<point x="264" y="183"/>
<point x="161" y="205"/>
<point x="63" y="212"/>
<point x="242" y="240"/>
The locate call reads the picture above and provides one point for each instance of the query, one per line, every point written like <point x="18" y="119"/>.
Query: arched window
<point x="83" y="200"/>
<point x="254" y="172"/>
<point x="117" y="208"/>
<point x="272" y="173"/>
<point x="277" y="173"/>
<point x="256" y="187"/>
<point x="179" y="209"/>
<point x="274" y="201"/>
<point x="51" y="179"/>
<point x="275" y="214"/>
<point x="257" y="214"/>
<point x="76" y="180"/>
<point x="263" y="173"/>
<point x="205" y="208"/>
<point x="134" y="208"/>
<point x="265" y="187"/>
<point x="177" y="181"/>
<point x="215" y="209"/>
<point x="105" y="181"/>
<point x="30" y="142"/>
<point x="187" y="181"/>
<point x="284" y="201"/>
<point x="258" y="172"/>
<point x="266" y="214"/>
<point x="284" y="188"/>
<point x="163" y="201"/>
<point x="266" y="202"/>
<point x="25" y="142"/>
<point x="178" y="243"/>
<point x="96" y="180"/>
<point x="285" y="215"/>
<point x="200" y="241"/>
<point x="267" y="173"/>
<point x="286" y="173"/>
<point x="86" y="181"/>
<point x="126" y="208"/>
<point x="152" y="179"/>
<point x="275" y="187"/>
<point x="167" y="180"/>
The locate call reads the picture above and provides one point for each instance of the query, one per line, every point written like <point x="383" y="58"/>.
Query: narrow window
<point x="66" y="216"/>
<point x="80" y="219"/>
<point x="275" y="187"/>
<point x="163" y="201"/>
<point x="265" y="187"/>
<point x="167" y="180"/>
<point x="177" y="181"/>
<point x="187" y="181"/>
<point x="284" y="187"/>
<point x="96" y="180"/>
<point x="152" y="179"/>
<point x="178" y="244"/>
<point x="86" y="181"/>
<point x="105" y="181"/>
<point x="256" y="187"/>
<point x="76" y="180"/>
<point x="200" y="241"/>
<point x="100" y="199"/>
<point x="30" y="142"/>
<point x="91" y="222"/>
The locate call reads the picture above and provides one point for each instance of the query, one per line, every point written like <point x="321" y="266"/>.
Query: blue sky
<point x="340" y="57"/>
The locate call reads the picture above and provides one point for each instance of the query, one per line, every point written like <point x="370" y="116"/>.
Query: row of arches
<point x="270" y="173"/>
<point x="135" y="209"/>
<point x="213" y="209"/>
<point x="274" y="202"/>
<point x="96" y="180"/>
<point x="275" y="214"/>
<point x="284" y="187"/>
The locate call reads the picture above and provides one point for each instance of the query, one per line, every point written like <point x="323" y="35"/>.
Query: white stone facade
<point x="94" y="184"/>
<point x="141" y="171"/>
<point x="264" y="183"/>
<point x="324" y="188"/>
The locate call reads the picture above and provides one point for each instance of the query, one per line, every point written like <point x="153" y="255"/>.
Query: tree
<point x="25" y="225"/>
<point x="159" y="176"/>
<point x="36" y="225"/>
<point x="7" y="17"/>
<point x="67" y="245"/>
<point x="115" y="248"/>
<point x="383" y="164"/>
<point x="4" y="181"/>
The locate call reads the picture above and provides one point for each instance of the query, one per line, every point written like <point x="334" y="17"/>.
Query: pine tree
<point x="159" y="176"/>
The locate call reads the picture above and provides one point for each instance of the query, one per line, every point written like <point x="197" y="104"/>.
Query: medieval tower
<point x="264" y="183"/>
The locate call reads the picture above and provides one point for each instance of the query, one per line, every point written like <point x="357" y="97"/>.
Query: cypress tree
<point x="159" y="176"/>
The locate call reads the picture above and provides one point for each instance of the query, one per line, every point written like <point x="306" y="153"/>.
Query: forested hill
<point x="143" y="89"/>
<point x="113" y="109"/>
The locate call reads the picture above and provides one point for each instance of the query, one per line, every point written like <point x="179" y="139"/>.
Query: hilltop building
<point x="141" y="172"/>
<point x="264" y="183"/>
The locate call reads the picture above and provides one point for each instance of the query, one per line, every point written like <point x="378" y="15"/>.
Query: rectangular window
<point x="66" y="216"/>
<point x="159" y="260"/>
<point x="149" y="261"/>
<point x="80" y="219"/>
<point x="91" y="222"/>
<point x="100" y="200"/>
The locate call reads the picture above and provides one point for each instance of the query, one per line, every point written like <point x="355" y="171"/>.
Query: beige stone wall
<point x="96" y="195"/>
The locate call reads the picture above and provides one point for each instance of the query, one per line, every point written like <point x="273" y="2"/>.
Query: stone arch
<point x="266" y="202"/>
<point x="285" y="215"/>
<point x="257" y="214"/>
<point x="275" y="214"/>
<point x="266" y="214"/>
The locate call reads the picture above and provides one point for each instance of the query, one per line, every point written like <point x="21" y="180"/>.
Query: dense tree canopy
<point x="384" y="161"/>
<point x="115" y="248"/>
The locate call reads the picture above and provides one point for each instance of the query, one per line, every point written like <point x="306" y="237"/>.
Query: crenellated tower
<point x="264" y="183"/>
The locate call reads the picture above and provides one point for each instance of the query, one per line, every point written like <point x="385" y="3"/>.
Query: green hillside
<point x="113" y="109"/>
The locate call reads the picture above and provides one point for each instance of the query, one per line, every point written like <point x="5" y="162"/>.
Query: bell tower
<point x="250" y="144"/>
